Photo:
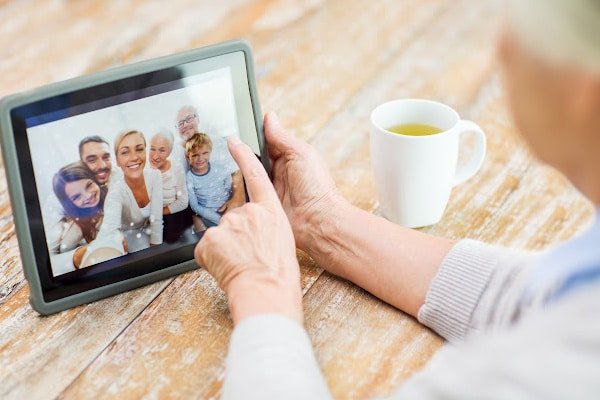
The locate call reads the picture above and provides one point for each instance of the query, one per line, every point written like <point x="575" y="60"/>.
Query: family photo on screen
<point x="124" y="191"/>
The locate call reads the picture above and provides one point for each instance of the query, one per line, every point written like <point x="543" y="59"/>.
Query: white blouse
<point x="122" y="213"/>
<point x="175" y="195"/>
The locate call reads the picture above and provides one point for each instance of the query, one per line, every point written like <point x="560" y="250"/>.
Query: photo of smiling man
<point x="94" y="152"/>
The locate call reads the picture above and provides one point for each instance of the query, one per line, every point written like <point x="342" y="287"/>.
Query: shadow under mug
<point x="415" y="174"/>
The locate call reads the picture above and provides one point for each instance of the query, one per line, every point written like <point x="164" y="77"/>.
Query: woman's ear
<point x="585" y="104"/>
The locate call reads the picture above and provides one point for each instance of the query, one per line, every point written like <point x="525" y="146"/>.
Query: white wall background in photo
<point x="55" y="144"/>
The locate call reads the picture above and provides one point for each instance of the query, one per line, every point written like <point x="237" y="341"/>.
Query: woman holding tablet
<point x="134" y="205"/>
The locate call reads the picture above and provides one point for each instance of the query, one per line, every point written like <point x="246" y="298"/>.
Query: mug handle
<point x="469" y="169"/>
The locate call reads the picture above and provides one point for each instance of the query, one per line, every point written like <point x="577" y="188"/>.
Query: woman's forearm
<point x="394" y="263"/>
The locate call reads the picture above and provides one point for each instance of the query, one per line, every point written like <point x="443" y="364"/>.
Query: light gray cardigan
<point x="501" y="347"/>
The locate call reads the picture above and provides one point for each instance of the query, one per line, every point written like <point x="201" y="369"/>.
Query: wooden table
<point x="323" y="66"/>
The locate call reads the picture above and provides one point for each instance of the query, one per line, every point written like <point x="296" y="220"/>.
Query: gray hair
<point x="186" y="108"/>
<point x="167" y="134"/>
<point x="566" y="32"/>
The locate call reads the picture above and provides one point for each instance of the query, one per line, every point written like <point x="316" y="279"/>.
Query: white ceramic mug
<point x="415" y="174"/>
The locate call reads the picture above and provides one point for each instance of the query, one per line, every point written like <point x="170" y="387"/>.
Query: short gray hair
<point x="167" y="134"/>
<point x="562" y="31"/>
<point x="186" y="108"/>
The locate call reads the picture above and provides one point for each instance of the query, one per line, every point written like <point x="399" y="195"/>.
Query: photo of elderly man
<point x="187" y="122"/>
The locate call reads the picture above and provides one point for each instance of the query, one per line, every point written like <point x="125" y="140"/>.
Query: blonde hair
<point x="196" y="141"/>
<point x="566" y="32"/>
<point x="124" y="134"/>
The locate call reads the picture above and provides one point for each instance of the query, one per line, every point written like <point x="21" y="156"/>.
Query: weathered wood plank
<point x="41" y="355"/>
<point x="176" y="348"/>
<point x="330" y="59"/>
<point x="48" y="41"/>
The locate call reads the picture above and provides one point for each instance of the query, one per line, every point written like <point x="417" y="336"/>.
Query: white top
<point x="121" y="212"/>
<point x="507" y="343"/>
<point x="175" y="194"/>
<point x="62" y="233"/>
<point x="177" y="155"/>
<point x="145" y="211"/>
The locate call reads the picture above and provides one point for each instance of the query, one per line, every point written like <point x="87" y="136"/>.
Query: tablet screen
<point x="128" y="174"/>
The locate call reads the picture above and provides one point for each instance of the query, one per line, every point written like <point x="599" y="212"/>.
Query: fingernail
<point x="273" y="118"/>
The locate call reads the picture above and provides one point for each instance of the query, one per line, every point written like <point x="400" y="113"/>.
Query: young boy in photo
<point x="209" y="182"/>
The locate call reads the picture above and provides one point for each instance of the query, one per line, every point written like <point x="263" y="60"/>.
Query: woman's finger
<point x="258" y="183"/>
<point x="278" y="139"/>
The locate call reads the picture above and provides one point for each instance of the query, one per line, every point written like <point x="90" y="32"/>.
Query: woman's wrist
<point x="320" y="226"/>
<point x="250" y="296"/>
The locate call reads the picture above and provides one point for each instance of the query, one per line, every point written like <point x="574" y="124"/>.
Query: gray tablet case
<point x="9" y="152"/>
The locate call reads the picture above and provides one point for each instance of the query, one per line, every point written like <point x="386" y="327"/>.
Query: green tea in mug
<point x="415" y="129"/>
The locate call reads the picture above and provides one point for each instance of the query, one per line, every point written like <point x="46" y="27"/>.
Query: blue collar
<point x="197" y="174"/>
<point x="571" y="265"/>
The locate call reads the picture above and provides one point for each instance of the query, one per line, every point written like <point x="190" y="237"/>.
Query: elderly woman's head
<point x="550" y="54"/>
<point x="130" y="152"/>
<point x="161" y="146"/>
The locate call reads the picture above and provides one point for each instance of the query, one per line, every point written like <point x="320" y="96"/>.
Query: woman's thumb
<point x="278" y="139"/>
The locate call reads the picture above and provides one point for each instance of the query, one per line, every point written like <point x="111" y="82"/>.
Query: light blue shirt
<point x="571" y="265"/>
<point x="209" y="191"/>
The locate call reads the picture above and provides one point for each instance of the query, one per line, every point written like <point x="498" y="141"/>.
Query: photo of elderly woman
<point x="134" y="205"/>
<point x="82" y="200"/>
<point x="175" y="196"/>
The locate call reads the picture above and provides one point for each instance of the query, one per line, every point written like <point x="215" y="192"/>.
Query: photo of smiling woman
<point x="82" y="199"/>
<point x="176" y="215"/>
<point x="134" y="205"/>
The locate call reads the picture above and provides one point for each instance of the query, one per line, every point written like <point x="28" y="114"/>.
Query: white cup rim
<point x="446" y="107"/>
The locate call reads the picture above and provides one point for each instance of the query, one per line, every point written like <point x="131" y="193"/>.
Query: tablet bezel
<point x="24" y="195"/>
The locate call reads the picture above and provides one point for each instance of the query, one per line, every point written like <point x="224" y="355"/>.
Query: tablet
<point x="114" y="177"/>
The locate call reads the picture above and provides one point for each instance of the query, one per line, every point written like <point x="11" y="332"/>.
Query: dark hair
<point x="86" y="218"/>
<point x="90" y="139"/>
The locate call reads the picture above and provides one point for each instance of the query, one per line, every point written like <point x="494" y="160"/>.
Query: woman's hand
<point x="252" y="254"/>
<point x="302" y="181"/>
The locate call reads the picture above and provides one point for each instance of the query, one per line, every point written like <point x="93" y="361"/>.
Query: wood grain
<point x="323" y="66"/>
